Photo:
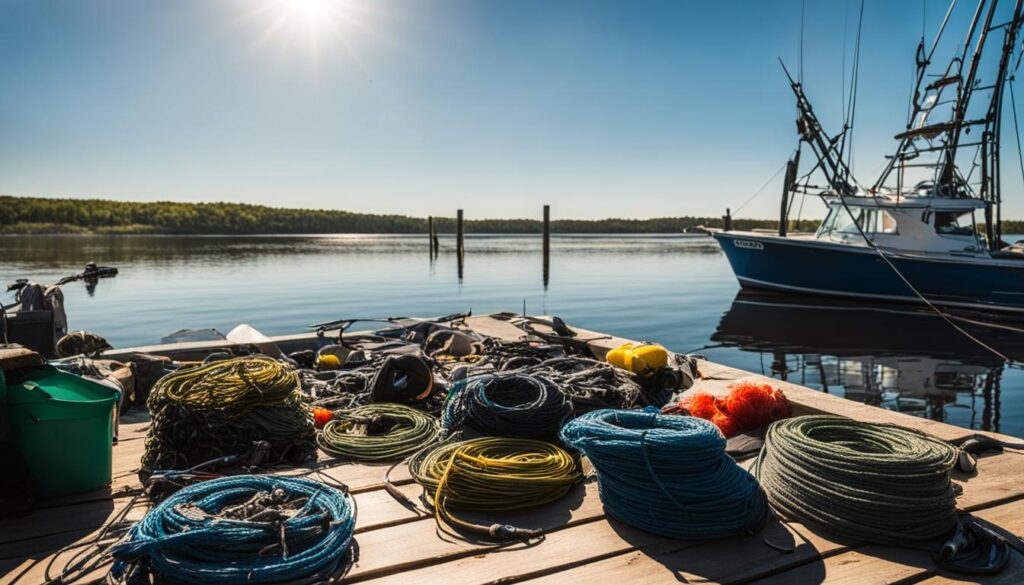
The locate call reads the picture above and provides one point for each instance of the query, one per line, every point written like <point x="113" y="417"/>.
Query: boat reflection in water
<point x="909" y="360"/>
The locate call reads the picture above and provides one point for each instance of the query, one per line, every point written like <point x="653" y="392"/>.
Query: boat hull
<point x="837" y="270"/>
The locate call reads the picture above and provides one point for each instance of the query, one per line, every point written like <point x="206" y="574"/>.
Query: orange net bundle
<point x="748" y="405"/>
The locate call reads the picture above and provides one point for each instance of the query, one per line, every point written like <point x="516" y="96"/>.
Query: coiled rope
<point x="507" y="405"/>
<point x="240" y="383"/>
<point x="667" y="474"/>
<point x="493" y="474"/>
<point x="874" y="483"/>
<point x="248" y="406"/>
<point x="243" y="529"/>
<point x="378" y="432"/>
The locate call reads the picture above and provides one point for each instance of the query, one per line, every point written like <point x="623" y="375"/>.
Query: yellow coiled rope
<point x="240" y="383"/>
<point x="493" y="473"/>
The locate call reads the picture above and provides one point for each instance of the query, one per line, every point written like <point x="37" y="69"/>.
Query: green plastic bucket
<point x="63" y="425"/>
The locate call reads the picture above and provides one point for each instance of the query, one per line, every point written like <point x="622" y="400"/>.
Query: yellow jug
<point x="640" y="359"/>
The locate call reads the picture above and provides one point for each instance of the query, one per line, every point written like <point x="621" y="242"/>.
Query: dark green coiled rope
<point x="378" y="432"/>
<point x="874" y="483"/>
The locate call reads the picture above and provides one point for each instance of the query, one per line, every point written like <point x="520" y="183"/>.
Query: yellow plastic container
<point x="641" y="358"/>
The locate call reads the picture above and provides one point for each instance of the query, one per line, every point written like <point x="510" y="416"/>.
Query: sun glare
<point x="309" y="19"/>
<point x="321" y="28"/>
<point x="309" y="13"/>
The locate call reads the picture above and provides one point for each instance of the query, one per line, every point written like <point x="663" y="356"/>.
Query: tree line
<point x="44" y="215"/>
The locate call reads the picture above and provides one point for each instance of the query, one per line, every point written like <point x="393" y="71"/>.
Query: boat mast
<point x="825" y="147"/>
<point x="993" y="125"/>
<point x="961" y="74"/>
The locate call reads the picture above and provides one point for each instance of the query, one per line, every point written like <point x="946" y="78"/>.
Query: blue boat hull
<point x="824" y="268"/>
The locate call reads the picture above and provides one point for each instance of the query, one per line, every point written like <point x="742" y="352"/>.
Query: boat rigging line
<point x="761" y="189"/>
<point x="847" y="133"/>
<point x="940" y="312"/>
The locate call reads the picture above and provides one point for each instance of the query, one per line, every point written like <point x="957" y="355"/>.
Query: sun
<point x="321" y="28"/>
<point x="309" y="18"/>
<point x="308" y="13"/>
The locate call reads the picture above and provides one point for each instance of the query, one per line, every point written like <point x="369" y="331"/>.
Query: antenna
<point x="800" y="47"/>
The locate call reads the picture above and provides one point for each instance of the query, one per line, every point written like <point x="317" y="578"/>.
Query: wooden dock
<point x="582" y="545"/>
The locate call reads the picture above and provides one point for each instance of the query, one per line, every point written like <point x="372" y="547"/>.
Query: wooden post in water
<point x="547" y="244"/>
<point x="430" y="235"/>
<point x="435" y="244"/>
<point x="459" y="247"/>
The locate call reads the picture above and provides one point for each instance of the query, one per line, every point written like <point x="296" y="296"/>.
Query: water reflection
<point x="904" y="359"/>
<point x="61" y="251"/>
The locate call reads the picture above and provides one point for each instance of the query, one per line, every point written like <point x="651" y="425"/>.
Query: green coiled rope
<point x="378" y="432"/>
<point x="874" y="483"/>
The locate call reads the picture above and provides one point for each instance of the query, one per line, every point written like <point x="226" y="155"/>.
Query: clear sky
<point x="601" y="109"/>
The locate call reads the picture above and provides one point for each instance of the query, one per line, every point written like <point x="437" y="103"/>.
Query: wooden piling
<point x="459" y="233"/>
<point x="547" y="244"/>
<point x="459" y="246"/>
<point x="430" y="234"/>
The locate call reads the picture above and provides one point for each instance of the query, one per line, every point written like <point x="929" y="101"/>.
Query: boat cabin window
<point x="872" y="220"/>
<point x="954" y="223"/>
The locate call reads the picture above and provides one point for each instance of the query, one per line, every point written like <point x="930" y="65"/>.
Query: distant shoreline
<point x="36" y="215"/>
<point x="43" y="216"/>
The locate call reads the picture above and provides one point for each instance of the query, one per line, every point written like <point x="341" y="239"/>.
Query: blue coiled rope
<point x="242" y="529"/>
<point x="507" y="405"/>
<point x="667" y="474"/>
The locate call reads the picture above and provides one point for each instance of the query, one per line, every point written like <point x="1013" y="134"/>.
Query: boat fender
<point x="641" y="358"/>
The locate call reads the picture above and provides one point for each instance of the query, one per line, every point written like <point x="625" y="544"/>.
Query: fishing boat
<point x="928" y="230"/>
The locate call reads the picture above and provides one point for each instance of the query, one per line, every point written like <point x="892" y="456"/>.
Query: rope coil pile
<point x="493" y="474"/>
<point x="248" y="407"/>
<point x="243" y="529"/>
<point x="594" y="385"/>
<point x="875" y="483"/>
<point x="666" y="474"/>
<point x="507" y="405"/>
<point x="378" y="432"/>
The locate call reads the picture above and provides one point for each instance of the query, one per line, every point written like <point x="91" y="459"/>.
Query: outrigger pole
<point x="836" y="172"/>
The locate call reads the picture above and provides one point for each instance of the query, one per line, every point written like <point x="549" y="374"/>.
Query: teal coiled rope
<point x="667" y="474"/>
<point x="875" y="483"/>
<point x="242" y="529"/>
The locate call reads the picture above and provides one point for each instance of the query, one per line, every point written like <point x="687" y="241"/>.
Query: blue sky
<point x="601" y="109"/>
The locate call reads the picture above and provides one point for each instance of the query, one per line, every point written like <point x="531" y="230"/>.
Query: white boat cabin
<point x="932" y="225"/>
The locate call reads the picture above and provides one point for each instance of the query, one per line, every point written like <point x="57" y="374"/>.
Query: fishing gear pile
<point x="248" y="408"/>
<point x="378" y="432"/>
<point x="593" y="385"/>
<point x="874" y="483"/>
<point x="347" y="386"/>
<point x="495" y="354"/>
<point x="242" y="529"/>
<point x="492" y="474"/>
<point x="507" y="405"/>
<point x="749" y="405"/>
<point x="668" y="475"/>
<point x="366" y="377"/>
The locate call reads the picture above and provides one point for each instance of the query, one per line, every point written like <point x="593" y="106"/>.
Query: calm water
<point x="676" y="290"/>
